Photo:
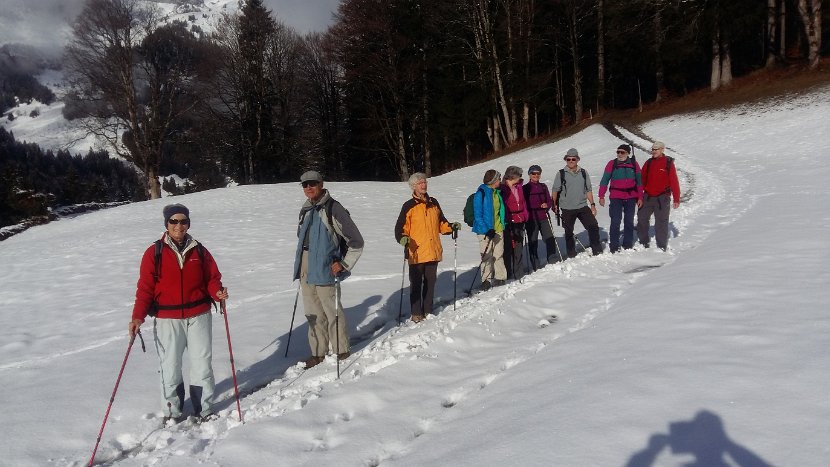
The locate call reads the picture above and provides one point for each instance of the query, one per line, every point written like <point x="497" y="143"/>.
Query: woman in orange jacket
<point x="419" y="224"/>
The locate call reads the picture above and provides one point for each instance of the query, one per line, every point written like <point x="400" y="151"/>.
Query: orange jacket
<point x="422" y="221"/>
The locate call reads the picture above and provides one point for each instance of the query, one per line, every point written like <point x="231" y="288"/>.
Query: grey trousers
<point x="660" y="206"/>
<point x="172" y="337"/>
<point x="321" y="309"/>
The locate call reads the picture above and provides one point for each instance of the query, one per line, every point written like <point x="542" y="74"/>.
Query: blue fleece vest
<point x="321" y="249"/>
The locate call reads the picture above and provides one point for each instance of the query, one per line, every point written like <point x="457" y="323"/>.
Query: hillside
<point x="709" y="354"/>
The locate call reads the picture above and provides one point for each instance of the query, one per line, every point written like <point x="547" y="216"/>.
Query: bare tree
<point x="103" y="59"/>
<point x="325" y="131"/>
<point x="810" y="13"/>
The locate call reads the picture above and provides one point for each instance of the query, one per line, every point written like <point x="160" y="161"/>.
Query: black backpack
<point x="155" y="307"/>
<point x="669" y="162"/>
<point x="633" y="166"/>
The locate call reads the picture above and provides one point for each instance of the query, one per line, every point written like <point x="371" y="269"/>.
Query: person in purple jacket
<point x="515" y="215"/>
<point x="539" y="203"/>
<point x="626" y="187"/>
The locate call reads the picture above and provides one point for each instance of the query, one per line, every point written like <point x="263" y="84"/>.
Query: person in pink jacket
<point x="516" y="215"/>
<point x="622" y="175"/>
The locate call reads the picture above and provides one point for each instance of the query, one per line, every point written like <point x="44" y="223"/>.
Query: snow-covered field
<point x="714" y="353"/>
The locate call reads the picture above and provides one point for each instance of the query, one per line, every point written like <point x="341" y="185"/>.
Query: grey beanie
<point x="172" y="209"/>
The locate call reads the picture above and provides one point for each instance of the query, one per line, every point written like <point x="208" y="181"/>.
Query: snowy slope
<point x="711" y="354"/>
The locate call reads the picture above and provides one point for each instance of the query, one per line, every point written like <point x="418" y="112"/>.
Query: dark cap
<point x="172" y="209"/>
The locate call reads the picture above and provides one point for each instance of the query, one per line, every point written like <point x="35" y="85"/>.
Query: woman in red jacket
<point x="177" y="284"/>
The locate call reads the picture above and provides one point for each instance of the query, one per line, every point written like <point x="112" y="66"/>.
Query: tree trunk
<point x="714" y="81"/>
<point x="771" y="17"/>
<point x="577" y="72"/>
<point x="725" y="63"/>
<point x="658" y="49"/>
<point x="600" y="54"/>
<point x="810" y="13"/>
<point x="153" y="185"/>
<point x="782" y="31"/>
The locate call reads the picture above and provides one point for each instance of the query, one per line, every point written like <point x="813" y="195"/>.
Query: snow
<point x="713" y="353"/>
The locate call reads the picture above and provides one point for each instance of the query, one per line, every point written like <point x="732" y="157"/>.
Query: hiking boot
<point x="485" y="285"/>
<point x="417" y="318"/>
<point x="343" y="356"/>
<point x="499" y="282"/>
<point x="208" y="418"/>
<point x="173" y="420"/>
<point x="313" y="361"/>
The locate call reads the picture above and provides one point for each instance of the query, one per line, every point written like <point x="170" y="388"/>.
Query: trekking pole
<point x="555" y="243"/>
<point x="293" y="313"/>
<point x="233" y="368"/>
<point x="403" y="276"/>
<point x="486" y="247"/>
<point x="580" y="243"/>
<point x="455" y="269"/>
<point x="337" y="306"/>
<point x="117" y="382"/>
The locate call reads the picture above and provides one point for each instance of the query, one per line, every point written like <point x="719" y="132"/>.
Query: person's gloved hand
<point x="456" y="226"/>
<point x="490" y="234"/>
<point x="404" y="241"/>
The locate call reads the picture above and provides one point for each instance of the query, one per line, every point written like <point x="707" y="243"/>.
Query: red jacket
<point x="184" y="290"/>
<point x="657" y="180"/>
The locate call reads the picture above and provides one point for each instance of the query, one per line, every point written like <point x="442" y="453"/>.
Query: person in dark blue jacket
<point x="489" y="225"/>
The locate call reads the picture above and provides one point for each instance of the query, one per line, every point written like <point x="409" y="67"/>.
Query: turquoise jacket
<point x="484" y="212"/>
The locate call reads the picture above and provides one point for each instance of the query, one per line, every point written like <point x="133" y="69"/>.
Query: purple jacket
<point x="536" y="195"/>
<point x="515" y="207"/>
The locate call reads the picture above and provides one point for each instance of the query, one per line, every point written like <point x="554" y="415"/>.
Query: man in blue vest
<point x="318" y="260"/>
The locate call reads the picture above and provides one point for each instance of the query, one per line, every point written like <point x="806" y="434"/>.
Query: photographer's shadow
<point x="704" y="438"/>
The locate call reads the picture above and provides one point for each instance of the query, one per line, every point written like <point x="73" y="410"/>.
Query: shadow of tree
<point x="705" y="438"/>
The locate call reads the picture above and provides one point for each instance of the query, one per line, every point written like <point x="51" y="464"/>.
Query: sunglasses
<point x="621" y="152"/>
<point x="178" y="221"/>
<point x="310" y="183"/>
<point x="571" y="159"/>
<point x="534" y="173"/>
<point x="655" y="149"/>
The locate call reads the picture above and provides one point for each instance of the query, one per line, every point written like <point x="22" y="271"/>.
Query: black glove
<point x="490" y="234"/>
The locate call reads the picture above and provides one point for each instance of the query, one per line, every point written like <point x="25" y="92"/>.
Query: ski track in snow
<point x="392" y="345"/>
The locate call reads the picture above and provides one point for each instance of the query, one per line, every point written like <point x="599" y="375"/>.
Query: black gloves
<point x="490" y="234"/>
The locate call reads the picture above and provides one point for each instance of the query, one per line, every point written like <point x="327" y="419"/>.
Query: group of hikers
<point x="179" y="279"/>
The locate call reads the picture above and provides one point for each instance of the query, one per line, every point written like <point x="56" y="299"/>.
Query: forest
<point x="399" y="86"/>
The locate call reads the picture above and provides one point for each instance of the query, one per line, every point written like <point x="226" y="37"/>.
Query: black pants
<point x="533" y="227"/>
<point x="514" y="235"/>
<point x="422" y="277"/>
<point x="586" y="217"/>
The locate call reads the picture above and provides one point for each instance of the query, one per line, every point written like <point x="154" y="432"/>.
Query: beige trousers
<point x="320" y="305"/>
<point x="492" y="257"/>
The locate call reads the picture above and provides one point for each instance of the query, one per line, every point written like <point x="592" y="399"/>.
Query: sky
<point x="713" y="353"/>
<point x="47" y="23"/>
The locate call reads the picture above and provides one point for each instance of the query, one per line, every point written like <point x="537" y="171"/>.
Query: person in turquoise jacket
<point x="489" y="225"/>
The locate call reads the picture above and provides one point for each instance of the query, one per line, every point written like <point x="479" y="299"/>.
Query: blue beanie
<point x="171" y="209"/>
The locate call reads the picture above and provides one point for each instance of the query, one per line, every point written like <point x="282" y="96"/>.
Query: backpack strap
<point x="669" y="162"/>
<point x="159" y="246"/>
